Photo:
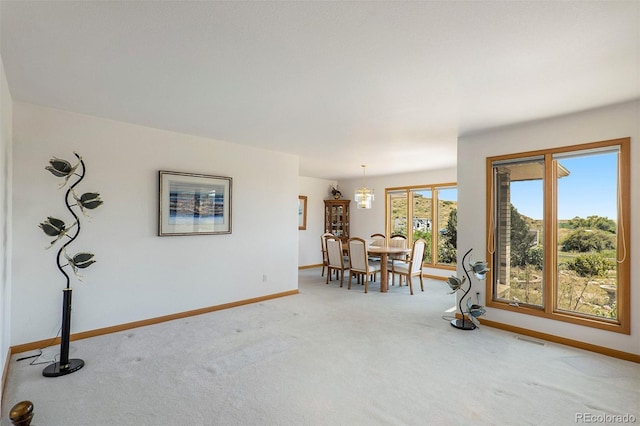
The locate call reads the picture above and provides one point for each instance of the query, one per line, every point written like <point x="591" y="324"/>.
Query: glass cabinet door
<point x="336" y="218"/>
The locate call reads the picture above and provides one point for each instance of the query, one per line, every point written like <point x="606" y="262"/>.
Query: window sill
<point x="615" y="326"/>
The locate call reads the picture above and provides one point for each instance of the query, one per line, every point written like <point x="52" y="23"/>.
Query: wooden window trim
<point x="434" y="216"/>
<point x="623" y="323"/>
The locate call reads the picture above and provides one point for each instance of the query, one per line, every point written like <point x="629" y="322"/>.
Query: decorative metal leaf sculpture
<point x="79" y="261"/>
<point x="62" y="168"/>
<point x="455" y="283"/>
<point x="475" y="311"/>
<point x="55" y="227"/>
<point x="88" y="200"/>
<point x="479" y="269"/>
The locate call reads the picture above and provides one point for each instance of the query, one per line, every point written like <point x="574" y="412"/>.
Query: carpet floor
<point x="327" y="356"/>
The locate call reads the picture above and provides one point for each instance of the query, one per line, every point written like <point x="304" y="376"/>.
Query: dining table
<point x="384" y="252"/>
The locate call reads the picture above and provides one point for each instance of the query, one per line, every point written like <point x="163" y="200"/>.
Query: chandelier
<point x="363" y="195"/>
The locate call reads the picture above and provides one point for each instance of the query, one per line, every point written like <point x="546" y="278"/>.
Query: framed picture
<point x="302" y="212"/>
<point x="194" y="204"/>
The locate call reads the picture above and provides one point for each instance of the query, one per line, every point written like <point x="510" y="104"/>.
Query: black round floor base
<point x="54" y="370"/>
<point x="463" y="325"/>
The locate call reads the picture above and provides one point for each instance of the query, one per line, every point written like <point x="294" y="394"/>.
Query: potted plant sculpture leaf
<point x="60" y="230"/>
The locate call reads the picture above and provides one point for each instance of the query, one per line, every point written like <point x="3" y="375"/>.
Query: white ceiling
<point x="389" y="84"/>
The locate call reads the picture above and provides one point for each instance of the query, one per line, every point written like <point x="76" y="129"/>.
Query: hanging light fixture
<point x="363" y="195"/>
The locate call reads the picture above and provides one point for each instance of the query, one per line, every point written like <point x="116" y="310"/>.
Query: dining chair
<point x="323" y="243"/>
<point x="359" y="264"/>
<point x="412" y="266"/>
<point x="335" y="259"/>
<point x="400" y="241"/>
<point x="377" y="240"/>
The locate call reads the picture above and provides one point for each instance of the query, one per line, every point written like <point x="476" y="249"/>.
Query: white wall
<point x="602" y="124"/>
<point x="365" y="222"/>
<point x="5" y="218"/>
<point x="138" y="274"/>
<point x="316" y="190"/>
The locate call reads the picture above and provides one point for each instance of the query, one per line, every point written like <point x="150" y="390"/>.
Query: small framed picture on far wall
<point x="302" y="212"/>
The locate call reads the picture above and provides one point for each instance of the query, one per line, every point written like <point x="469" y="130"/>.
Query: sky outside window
<point x="590" y="189"/>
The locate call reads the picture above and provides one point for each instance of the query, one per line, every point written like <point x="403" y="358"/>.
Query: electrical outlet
<point x="264" y="278"/>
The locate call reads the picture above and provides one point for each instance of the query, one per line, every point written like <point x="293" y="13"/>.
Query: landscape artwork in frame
<point x="194" y="204"/>
<point x="302" y="212"/>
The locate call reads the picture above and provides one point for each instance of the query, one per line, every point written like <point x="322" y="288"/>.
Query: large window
<point x="559" y="233"/>
<point x="428" y="212"/>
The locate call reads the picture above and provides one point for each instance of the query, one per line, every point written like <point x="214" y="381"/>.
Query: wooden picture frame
<point x="193" y="204"/>
<point x="302" y="212"/>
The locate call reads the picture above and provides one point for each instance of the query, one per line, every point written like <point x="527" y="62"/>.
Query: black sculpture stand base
<point x="66" y="365"/>
<point x="54" y="370"/>
<point x="463" y="324"/>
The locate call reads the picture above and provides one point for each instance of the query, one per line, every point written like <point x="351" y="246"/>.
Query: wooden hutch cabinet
<point x="336" y="218"/>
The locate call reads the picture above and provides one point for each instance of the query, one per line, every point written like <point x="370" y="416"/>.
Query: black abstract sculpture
<point x="480" y="270"/>
<point x="57" y="228"/>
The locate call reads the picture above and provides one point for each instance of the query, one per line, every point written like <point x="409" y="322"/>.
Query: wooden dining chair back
<point x="410" y="267"/>
<point x="335" y="259"/>
<point x="323" y="244"/>
<point x="399" y="241"/>
<point x="359" y="263"/>
<point x="378" y="240"/>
